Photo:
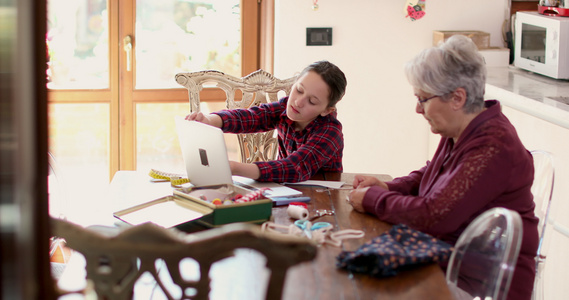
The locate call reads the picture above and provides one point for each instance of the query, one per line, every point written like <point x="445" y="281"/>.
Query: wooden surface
<point x="321" y="279"/>
<point x="244" y="276"/>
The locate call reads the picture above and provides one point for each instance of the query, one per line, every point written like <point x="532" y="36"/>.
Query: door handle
<point x="127" y="46"/>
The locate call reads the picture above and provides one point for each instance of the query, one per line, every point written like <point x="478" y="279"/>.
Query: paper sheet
<point x="277" y="190"/>
<point x="323" y="183"/>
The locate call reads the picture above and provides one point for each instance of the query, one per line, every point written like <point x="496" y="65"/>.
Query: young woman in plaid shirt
<point x="309" y="135"/>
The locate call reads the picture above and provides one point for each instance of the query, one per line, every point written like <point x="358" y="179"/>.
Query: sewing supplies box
<point x="190" y="204"/>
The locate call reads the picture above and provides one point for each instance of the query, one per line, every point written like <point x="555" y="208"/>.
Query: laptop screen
<point x="204" y="153"/>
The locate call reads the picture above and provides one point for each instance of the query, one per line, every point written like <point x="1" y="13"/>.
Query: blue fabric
<point x="400" y="248"/>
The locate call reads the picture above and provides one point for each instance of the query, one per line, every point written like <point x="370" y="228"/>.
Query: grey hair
<point x="453" y="64"/>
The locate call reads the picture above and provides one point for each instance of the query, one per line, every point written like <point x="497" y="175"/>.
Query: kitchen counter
<point x="531" y="93"/>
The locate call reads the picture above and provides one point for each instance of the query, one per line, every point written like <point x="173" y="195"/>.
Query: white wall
<point x="371" y="41"/>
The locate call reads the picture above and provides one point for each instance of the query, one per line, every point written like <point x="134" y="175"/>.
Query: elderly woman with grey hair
<point x="480" y="162"/>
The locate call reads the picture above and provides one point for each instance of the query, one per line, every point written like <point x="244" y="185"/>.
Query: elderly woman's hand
<point x="356" y="197"/>
<point x="361" y="185"/>
<point x="361" y="181"/>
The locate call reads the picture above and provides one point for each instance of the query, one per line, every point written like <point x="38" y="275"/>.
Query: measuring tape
<point x="175" y="179"/>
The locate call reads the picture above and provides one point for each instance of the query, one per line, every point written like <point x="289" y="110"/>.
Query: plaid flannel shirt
<point x="301" y="153"/>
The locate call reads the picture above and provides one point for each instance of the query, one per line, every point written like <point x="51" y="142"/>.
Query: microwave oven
<point x="541" y="44"/>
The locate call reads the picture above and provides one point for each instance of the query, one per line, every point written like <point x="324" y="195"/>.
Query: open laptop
<point x="204" y="153"/>
<point x="205" y="157"/>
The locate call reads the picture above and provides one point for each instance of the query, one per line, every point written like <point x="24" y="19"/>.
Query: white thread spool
<point x="297" y="212"/>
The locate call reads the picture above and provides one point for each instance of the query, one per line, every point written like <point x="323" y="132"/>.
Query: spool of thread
<point x="297" y="212"/>
<point x="299" y="204"/>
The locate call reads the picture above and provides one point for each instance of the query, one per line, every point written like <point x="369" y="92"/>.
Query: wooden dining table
<point x="319" y="278"/>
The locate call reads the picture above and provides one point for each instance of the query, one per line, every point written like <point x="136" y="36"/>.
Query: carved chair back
<point x="116" y="259"/>
<point x="256" y="88"/>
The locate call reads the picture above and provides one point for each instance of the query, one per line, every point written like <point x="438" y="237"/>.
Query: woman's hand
<point x="211" y="119"/>
<point x="356" y="197"/>
<point x="361" y="181"/>
<point x="361" y="184"/>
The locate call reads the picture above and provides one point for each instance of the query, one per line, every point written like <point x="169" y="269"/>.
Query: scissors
<point x="307" y="227"/>
<point x="320" y="213"/>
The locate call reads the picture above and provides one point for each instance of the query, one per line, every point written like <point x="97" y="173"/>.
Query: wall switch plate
<point x="319" y="36"/>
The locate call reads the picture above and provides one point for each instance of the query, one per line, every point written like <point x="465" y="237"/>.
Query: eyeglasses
<point x="420" y="102"/>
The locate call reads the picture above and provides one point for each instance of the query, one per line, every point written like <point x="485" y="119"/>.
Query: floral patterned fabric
<point x="400" y="248"/>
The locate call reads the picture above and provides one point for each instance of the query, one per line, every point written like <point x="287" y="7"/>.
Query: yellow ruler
<point x="175" y="179"/>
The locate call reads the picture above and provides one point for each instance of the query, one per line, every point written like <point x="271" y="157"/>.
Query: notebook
<point x="205" y="157"/>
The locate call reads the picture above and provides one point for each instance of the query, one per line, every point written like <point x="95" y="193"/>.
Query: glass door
<point x="165" y="38"/>
<point x="111" y="88"/>
<point x="82" y="102"/>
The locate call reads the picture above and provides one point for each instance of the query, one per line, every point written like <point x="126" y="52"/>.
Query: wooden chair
<point x="485" y="255"/>
<point x="116" y="259"/>
<point x="256" y="88"/>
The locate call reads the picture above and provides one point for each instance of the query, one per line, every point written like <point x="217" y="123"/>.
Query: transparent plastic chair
<point x="483" y="261"/>
<point x="542" y="190"/>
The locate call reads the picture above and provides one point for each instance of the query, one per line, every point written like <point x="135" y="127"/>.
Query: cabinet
<point x="518" y="5"/>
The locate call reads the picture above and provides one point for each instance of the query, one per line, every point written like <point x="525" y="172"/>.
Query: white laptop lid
<point x="204" y="153"/>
